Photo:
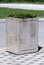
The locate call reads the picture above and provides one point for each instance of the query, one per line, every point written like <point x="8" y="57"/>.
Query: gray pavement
<point x="23" y="59"/>
<point x="23" y="6"/>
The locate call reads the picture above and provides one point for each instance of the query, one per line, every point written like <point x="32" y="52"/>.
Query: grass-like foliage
<point x="22" y="15"/>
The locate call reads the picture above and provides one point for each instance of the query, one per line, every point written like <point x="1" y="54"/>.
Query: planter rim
<point x="21" y="19"/>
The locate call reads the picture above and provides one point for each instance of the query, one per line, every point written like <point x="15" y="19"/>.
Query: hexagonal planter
<point x="22" y="35"/>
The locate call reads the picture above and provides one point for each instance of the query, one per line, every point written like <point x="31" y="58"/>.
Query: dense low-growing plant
<point x="22" y="15"/>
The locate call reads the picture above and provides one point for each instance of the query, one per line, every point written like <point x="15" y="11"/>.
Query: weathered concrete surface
<point x="3" y="32"/>
<point x="22" y="35"/>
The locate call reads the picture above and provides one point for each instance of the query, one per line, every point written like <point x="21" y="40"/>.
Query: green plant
<point x="22" y="15"/>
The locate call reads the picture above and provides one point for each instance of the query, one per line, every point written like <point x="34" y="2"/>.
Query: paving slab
<point x="7" y="58"/>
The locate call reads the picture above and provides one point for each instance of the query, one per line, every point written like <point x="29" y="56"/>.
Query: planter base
<point x="22" y="52"/>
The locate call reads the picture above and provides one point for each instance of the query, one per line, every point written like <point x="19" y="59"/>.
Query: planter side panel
<point x="29" y="36"/>
<point x="12" y="35"/>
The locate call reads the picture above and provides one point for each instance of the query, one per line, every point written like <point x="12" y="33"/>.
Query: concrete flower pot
<point x="22" y="35"/>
